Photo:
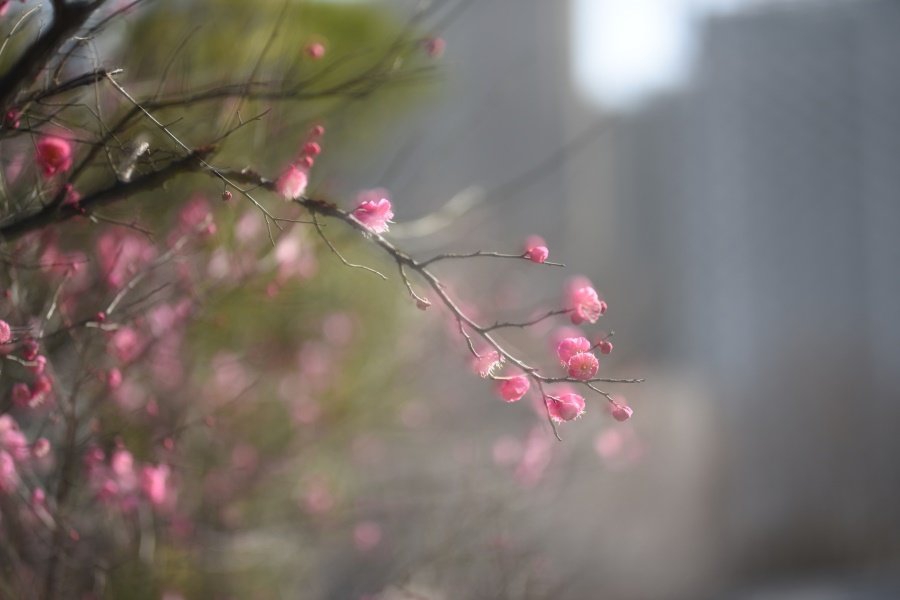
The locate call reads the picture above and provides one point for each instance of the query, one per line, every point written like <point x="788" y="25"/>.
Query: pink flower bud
<point x="307" y="162"/>
<point x="315" y="50"/>
<point x="114" y="379"/>
<point x="620" y="412"/>
<point x="583" y="366"/>
<point x="13" y="117"/>
<point x="536" y="249"/>
<point x="312" y="149"/>
<point x="29" y="349"/>
<point x="434" y="47"/>
<point x="605" y="346"/>
<point x="226" y="196"/>
<point x="5" y="332"/>
<point x="317" y="131"/>
<point x="513" y="388"/>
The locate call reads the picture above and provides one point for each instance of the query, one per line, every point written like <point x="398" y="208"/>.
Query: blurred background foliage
<point x="284" y="373"/>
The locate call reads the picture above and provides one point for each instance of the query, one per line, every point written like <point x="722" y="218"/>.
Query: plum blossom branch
<point x="481" y="253"/>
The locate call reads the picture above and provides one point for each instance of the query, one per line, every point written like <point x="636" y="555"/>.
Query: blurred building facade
<point x="753" y="238"/>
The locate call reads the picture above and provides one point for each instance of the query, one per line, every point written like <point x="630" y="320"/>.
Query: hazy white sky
<point x="625" y="49"/>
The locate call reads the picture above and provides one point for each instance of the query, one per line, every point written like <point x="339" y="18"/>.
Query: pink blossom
<point x="40" y="390"/>
<point x="53" y="155"/>
<point x="40" y="448"/>
<point x="126" y="344"/>
<point x="366" y="535"/>
<point x="292" y="182"/>
<point x="154" y="483"/>
<point x="317" y="131"/>
<point x="122" y="466"/>
<point x="13" y="115"/>
<point x="30" y="349"/>
<point x="39" y="364"/>
<point x="621" y="412"/>
<point x="121" y="255"/>
<point x="374" y="210"/>
<point x="9" y="478"/>
<point x="487" y="362"/>
<point x="513" y="388"/>
<point x="195" y="213"/>
<point x="315" y="50"/>
<point x="434" y="46"/>
<point x="583" y="366"/>
<point x="5" y="332"/>
<point x="536" y="249"/>
<point x="21" y="394"/>
<point x="12" y="440"/>
<point x="584" y="302"/>
<point x="570" y="346"/>
<point x="114" y="378"/>
<point x="565" y="407"/>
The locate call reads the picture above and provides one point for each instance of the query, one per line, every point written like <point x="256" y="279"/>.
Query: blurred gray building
<point x="755" y="241"/>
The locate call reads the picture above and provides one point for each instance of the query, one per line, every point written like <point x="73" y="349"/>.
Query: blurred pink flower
<point x="366" y="535"/>
<point x="9" y="478"/>
<point x="53" y="155"/>
<point x="154" y="484"/>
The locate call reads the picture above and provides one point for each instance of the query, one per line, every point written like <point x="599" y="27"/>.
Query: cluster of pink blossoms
<point x="26" y="395"/>
<point x="573" y="350"/>
<point x="15" y="453"/>
<point x="292" y="182"/>
<point x="122" y="484"/>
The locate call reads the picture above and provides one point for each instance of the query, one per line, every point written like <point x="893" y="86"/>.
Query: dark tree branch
<point x="56" y="212"/>
<point x="67" y="19"/>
